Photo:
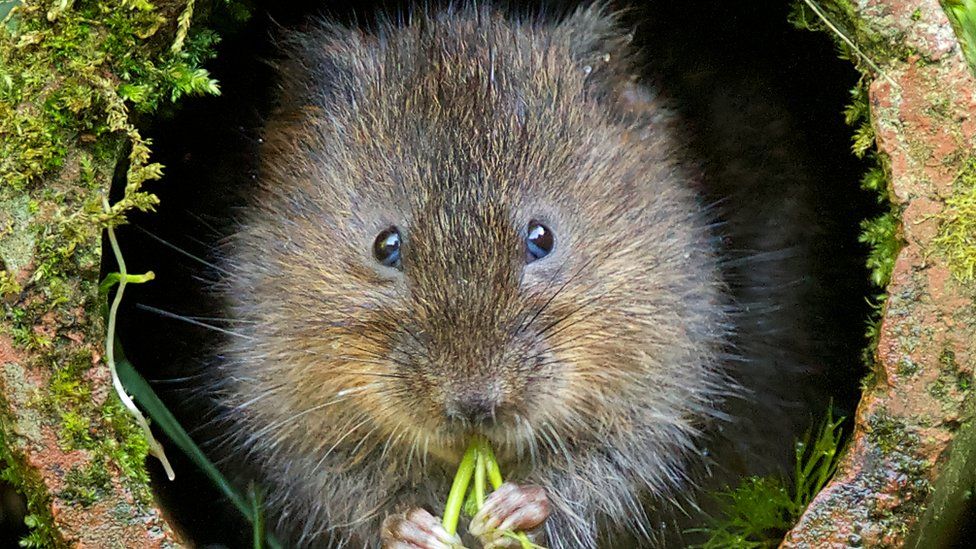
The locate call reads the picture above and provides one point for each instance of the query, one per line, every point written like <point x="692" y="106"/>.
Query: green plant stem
<point x="479" y="481"/>
<point x="833" y="28"/>
<point x="478" y="462"/>
<point x="491" y="465"/>
<point x="155" y="448"/>
<point x="459" y="488"/>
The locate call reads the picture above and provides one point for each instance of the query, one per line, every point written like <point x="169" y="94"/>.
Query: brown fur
<point x="607" y="360"/>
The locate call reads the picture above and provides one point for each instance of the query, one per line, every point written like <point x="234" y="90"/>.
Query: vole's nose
<point x="474" y="407"/>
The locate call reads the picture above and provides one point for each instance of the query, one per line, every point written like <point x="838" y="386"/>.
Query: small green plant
<point x="760" y="510"/>
<point x="962" y="14"/>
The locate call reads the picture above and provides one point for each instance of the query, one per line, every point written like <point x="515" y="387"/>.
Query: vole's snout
<point x="474" y="406"/>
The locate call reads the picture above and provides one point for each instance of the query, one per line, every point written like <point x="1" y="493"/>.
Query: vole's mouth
<point x="511" y="440"/>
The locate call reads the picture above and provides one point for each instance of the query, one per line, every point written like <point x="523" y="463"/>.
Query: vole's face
<point x="457" y="240"/>
<point x="463" y="269"/>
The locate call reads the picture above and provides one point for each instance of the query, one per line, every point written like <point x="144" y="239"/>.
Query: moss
<point x="8" y="285"/>
<point x="887" y="433"/>
<point x="28" y="483"/>
<point x="907" y="367"/>
<point x="68" y="79"/>
<point x="874" y="44"/>
<point x="756" y="515"/>
<point x="957" y="231"/>
<point x="952" y="383"/>
<point x="71" y="74"/>
<point x="85" y="485"/>
<point x="881" y="234"/>
<point x="947" y="361"/>
<point x="938" y="389"/>
<point x="128" y="447"/>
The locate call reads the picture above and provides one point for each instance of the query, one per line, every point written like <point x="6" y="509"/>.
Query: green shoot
<point x="478" y="462"/>
<point x="459" y="488"/>
<point x="123" y="278"/>
<point x="814" y="465"/>
<point x="491" y="466"/>
<point x="258" y="509"/>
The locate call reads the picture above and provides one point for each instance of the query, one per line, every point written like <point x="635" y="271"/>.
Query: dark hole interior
<point x="207" y="146"/>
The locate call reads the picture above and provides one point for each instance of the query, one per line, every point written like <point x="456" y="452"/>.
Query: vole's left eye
<point x="539" y="241"/>
<point x="386" y="248"/>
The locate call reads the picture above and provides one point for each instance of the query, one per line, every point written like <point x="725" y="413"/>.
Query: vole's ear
<point x="317" y="69"/>
<point x="602" y="50"/>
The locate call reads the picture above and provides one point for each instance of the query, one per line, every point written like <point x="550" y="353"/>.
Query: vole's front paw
<point x="511" y="508"/>
<point x="416" y="529"/>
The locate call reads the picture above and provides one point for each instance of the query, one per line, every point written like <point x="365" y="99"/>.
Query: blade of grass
<point x="491" y="465"/>
<point x="258" y="522"/>
<point x="164" y="420"/>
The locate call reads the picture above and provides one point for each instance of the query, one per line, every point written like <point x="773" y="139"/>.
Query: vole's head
<point x="471" y="225"/>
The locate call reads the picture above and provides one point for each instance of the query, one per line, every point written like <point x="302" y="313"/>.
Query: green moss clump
<point x="8" y="285"/>
<point x="957" y="232"/>
<point x="952" y="384"/>
<point x="863" y="45"/>
<point x="12" y="471"/>
<point x="756" y="514"/>
<point x="73" y="74"/>
<point x="86" y="484"/>
<point x="881" y="234"/>
<point x="949" y="367"/>
<point x="887" y="433"/>
<point x="760" y="510"/>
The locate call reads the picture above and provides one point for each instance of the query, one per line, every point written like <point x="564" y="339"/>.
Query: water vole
<point x="468" y="224"/>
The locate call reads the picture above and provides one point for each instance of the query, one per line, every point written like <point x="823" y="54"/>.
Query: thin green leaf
<point x="164" y="420"/>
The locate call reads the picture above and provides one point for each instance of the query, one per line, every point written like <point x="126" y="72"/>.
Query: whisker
<point x="189" y="320"/>
<point x="177" y="249"/>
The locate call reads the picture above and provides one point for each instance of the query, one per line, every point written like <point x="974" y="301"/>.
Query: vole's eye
<point x="539" y="241"/>
<point x="386" y="249"/>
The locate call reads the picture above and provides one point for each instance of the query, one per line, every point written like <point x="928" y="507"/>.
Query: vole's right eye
<point x="386" y="248"/>
<point x="539" y="241"/>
